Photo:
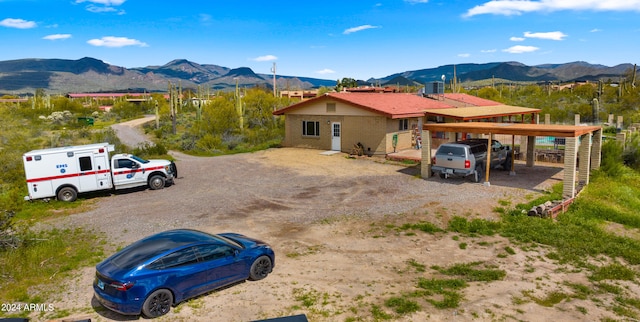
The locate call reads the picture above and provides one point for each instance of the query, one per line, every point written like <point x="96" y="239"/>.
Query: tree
<point x="346" y="83"/>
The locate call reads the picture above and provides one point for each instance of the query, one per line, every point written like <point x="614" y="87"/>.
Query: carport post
<point x="512" y="172"/>
<point x="596" y="150"/>
<point x="487" y="170"/>
<point x="425" y="165"/>
<point x="531" y="148"/>
<point x="570" y="160"/>
<point x="585" y="159"/>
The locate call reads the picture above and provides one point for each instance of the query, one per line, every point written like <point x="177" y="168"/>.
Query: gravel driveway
<point x="296" y="199"/>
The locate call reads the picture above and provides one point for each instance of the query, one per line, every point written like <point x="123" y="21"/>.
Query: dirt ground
<point x="330" y="220"/>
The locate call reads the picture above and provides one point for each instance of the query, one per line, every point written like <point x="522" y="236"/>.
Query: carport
<point x="585" y="140"/>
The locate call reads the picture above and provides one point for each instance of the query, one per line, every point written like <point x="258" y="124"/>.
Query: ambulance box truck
<point x="67" y="171"/>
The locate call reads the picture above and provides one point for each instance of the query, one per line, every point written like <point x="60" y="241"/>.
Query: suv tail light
<point x="433" y="160"/>
<point x="467" y="164"/>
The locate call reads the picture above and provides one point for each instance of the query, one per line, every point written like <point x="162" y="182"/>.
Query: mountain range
<point x="24" y="76"/>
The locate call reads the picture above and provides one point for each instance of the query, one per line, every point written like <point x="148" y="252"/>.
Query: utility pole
<point x="172" y="106"/>
<point x="273" y="70"/>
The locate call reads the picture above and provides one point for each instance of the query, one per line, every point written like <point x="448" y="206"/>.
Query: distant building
<point x="300" y="94"/>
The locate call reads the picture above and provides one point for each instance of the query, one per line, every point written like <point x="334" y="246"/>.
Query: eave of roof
<point x="513" y="129"/>
<point x="482" y="112"/>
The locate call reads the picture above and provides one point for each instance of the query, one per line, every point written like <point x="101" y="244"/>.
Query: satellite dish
<point x="443" y="78"/>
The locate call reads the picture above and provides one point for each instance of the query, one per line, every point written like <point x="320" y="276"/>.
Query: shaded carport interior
<point x="585" y="140"/>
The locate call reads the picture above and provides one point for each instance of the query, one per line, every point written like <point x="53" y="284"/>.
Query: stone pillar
<point x="596" y="150"/>
<point x="531" y="149"/>
<point x="576" y="119"/>
<point x="523" y="148"/>
<point x="622" y="139"/>
<point x="425" y="165"/>
<point x="570" y="160"/>
<point x="547" y="119"/>
<point x="619" y="122"/>
<point x="585" y="159"/>
<point x="610" y="119"/>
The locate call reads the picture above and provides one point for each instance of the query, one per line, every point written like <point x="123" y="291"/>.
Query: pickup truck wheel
<point x="443" y="175"/>
<point x="156" y="182"/>
<point x="67" y="194"/>
<point x="507" y="163"/>
<point x="479" y="174"/>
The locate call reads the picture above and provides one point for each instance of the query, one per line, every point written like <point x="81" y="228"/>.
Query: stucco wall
<point x="372" y="130"/>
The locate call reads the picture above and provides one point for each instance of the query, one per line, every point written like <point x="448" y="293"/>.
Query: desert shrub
<point x="631" y="154"/>
<point x="8" y="236"/>
<point x="612" y="161"/>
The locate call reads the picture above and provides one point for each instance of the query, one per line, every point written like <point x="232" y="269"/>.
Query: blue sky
<point x="323" y="39"/>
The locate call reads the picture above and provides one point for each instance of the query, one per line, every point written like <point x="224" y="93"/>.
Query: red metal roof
<point x="463" y="100"/>
<point x="391" y="105"/>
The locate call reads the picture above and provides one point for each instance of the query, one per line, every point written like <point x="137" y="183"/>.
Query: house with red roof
<point x="381" y="122"/>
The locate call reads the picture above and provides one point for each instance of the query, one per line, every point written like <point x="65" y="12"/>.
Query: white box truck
<point x="66" y="171"/>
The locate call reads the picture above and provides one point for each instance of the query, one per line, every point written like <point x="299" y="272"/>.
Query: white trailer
<point x="66" y="171"/>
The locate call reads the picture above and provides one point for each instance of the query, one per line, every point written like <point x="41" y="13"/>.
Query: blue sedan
<point x="162" y="270"/>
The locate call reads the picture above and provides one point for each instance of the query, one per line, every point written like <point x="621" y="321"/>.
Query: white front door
<point x="335" y="136"/>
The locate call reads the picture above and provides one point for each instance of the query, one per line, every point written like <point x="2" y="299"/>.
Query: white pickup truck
<point x="469" y="157"/>
<point x="66" y="171"/>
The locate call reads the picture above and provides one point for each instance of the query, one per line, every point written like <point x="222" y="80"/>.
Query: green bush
<point x="612" y="161"/>
<point x="631" y="154"/>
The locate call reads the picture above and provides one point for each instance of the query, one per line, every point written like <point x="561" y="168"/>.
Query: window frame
<point x="403" y="125"/>
<point x="315" y="131"/>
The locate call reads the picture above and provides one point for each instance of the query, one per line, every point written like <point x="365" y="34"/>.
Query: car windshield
<point x="143" y="250"/>
<point x="230" y="241"/>
<point x="139" y="159"/>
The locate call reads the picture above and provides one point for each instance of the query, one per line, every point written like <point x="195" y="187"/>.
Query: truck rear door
<point x="451" y="156"/>
<point x="91" y="175"/>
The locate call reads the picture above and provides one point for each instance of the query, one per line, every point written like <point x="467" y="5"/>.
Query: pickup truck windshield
<point x="139" y="159"/>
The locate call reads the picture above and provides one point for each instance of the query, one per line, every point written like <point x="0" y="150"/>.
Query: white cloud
<point x="464" y="55"/>
<point x="553" y="35"/>
<point x="595" y="30"/>
<point x="98" y="9"/>
<point x="516" y="39"/>
<point x="265" y="58"/>
<point x="359" y="28"/>
<point x="518" y="7"/>
<point x="104" y="2"/>
<point x="205" y="19"/>
<point x="57" y="36"/>
<point x="17" y="23"/>
<point x="416" y="1"/>
<point x="99" y="6"/>
<point x="488" y="51"/>
<point x="325" y="71"/>
<point x="520" y="49"/>
<point x="115" y="42"/>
